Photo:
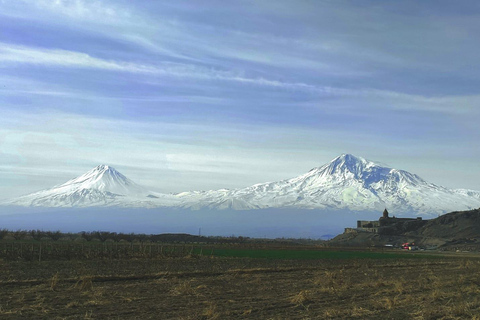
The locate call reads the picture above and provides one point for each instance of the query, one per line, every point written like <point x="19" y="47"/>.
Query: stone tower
<point x="385" y="214"/>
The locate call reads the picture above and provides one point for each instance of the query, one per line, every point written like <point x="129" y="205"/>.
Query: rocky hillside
<point x="459" y="230"/>
<point x="454" y="225"/>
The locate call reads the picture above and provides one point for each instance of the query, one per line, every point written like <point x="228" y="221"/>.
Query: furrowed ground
<point x="233" y="283"/>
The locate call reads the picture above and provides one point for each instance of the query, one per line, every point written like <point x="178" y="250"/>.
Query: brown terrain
<point x="455" y="231"/>
<point x="91" y="279"/>
<point x="410" y="286"/>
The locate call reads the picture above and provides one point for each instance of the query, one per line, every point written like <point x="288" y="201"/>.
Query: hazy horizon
<point x="263" y="223"/>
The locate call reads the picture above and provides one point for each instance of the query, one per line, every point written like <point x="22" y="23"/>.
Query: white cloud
<point x="65" y="58"/>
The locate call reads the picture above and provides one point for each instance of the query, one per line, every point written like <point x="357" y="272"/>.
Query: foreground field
<point x="201" y="287"/>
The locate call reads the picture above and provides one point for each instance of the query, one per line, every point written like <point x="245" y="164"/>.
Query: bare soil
<point x="445" y="287"/>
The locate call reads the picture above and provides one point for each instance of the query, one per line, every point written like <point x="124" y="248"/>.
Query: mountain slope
<point x="347" y="182"/>
<point x="103" y="185"/>
<point x="457" y="230"/>
<point x="452" y="226"/>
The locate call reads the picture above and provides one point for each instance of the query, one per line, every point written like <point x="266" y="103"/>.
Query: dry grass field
<point x="438" y="287"/>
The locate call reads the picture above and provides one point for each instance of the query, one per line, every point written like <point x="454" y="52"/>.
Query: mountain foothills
<point x="456" y="230"/>
<point x="346" y="183"/>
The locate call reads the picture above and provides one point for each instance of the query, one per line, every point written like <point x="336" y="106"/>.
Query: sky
<point x="187" y="95"/>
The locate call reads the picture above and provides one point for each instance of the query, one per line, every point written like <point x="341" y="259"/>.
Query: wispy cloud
<point x="93" y="10"/>
<point x="196" y="41"/>
<point x="65" y="58"/>
<point x="112" y="20"/>
<point x="13" y="54"/>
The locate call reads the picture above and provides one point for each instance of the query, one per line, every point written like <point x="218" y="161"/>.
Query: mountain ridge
<point x="345" y="183"/>
<point x="351" y="183"/>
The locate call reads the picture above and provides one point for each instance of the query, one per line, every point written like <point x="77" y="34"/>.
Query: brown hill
<point x="452" y="226"/>
<point x="459" y="230"/>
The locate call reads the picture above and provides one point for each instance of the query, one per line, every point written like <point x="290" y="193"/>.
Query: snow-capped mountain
<point x="346" y="183"/>
<point x="103" y="185"/>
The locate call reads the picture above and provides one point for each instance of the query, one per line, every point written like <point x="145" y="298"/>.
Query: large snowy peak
<point x="348" y="168"/>
<point x="347" y="182"/>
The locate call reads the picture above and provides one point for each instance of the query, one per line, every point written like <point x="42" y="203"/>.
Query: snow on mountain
<point x="346" y="183"/>
<point x="469" y="193"/>
<point x="103" y="185"/>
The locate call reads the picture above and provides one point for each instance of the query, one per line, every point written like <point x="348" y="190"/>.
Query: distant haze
<point x="185" y="95"/>
<point x="259" y="224"/>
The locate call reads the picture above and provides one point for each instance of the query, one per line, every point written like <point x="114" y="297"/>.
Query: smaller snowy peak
<point x="102" y="167"/>
<point x="99" y="171"/>
<point x="104" y="178"/>
<point x="102" y="185"/>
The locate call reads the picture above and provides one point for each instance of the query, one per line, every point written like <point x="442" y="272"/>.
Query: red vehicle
<point x="409" y="246"/>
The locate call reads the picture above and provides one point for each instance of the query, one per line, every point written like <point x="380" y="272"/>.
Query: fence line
<point x="67" y="251"/>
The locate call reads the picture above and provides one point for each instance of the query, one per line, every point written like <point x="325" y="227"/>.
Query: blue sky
<point x="187" y="95"/>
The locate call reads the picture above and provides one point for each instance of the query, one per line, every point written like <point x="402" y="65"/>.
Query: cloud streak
<point x="12" y="54"/>
<point x="92" y="10"/>
<point x="64" y="58"/>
